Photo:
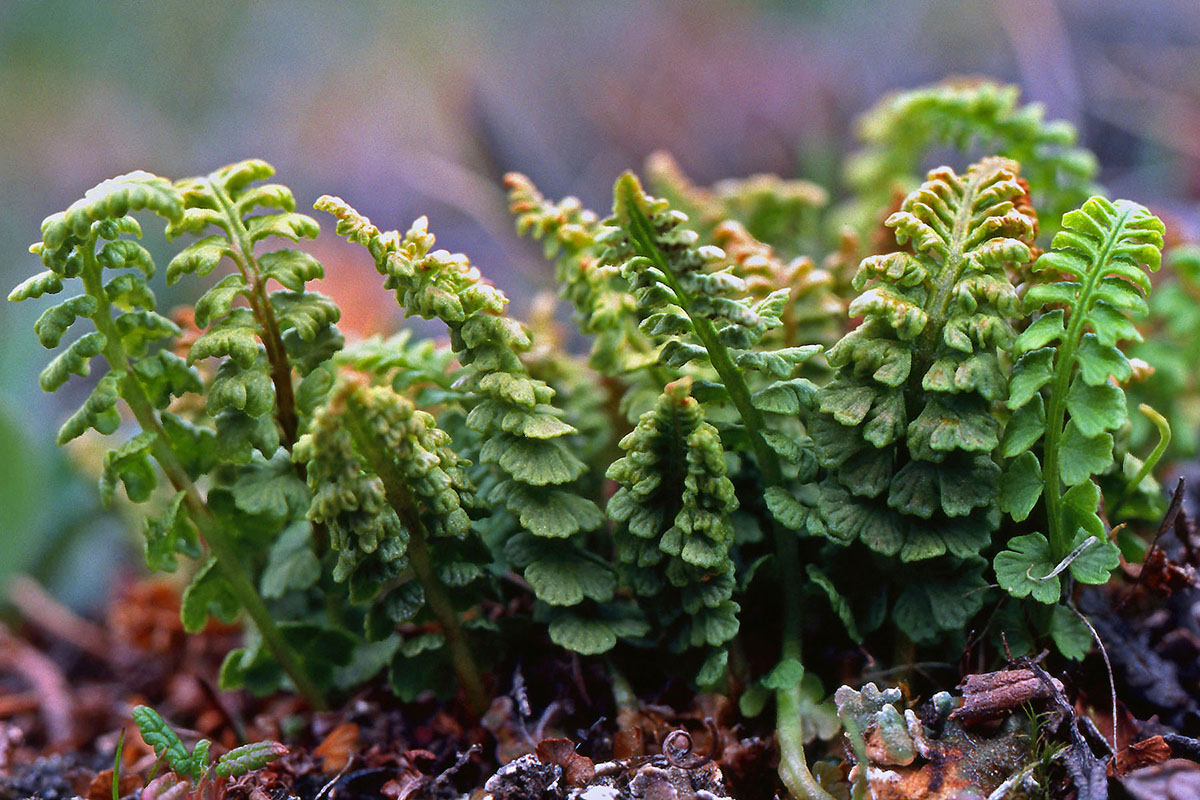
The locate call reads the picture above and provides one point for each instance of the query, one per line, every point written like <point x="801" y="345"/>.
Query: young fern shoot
<point x="674" y="532"/>
<point x="196" y="766"/>
<point x="389" y="487"/>
<point x="1066" y="393"/>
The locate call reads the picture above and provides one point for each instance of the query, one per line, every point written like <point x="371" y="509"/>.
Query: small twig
<point x="37" y="606"/>
<point x="458" y="764"/>
<point x="48" y="681"/>
<point x="1183" y="746"/>
<point x="539" y="730"/>
<point x="22" y="703"/>
<point x="1112" y="686"/>
<point x="577" y="676"/>
<point x="1001" y="791"/>
<point x="327" y="788"/>
<point x="1168" y="521"/>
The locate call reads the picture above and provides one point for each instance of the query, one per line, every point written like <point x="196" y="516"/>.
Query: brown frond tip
<point x="1024" y="205"/>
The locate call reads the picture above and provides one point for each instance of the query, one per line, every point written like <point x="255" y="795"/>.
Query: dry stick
<point x="23" y="703"/>
<point x="38" y="607"/>
<point x="1112" y="686"/>
<point x="1167" y="522"/>
<point x="53" y="691"/>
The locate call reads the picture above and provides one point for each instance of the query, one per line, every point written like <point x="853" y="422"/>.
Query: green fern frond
<point x="784" y="214"/>
<point x="973" y="116"/>
<point x="247" y="758"/>
<point x="390" y="488"/>
<point x="522" y="432"/>
<point x="84" y="241"/>
<point x="673" y="514"/>
<point x="694" y="305"/>
<point x="90" y="240"/>
<point x="906" y="427"/>
<point x="1066" y="390"/>
<point x="598" y="293"/>
<point x="812" y="312"/>
<point x="271" y="333"/>
<point x="347" y="498"/>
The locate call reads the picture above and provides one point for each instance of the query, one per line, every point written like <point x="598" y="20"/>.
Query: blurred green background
<point x="407" y="108"/>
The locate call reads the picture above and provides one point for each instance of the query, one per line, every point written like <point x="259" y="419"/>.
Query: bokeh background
<point x="408" y="109"/>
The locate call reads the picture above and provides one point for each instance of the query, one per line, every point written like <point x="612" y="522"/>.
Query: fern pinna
<point x="905" y="428"/>
<point x="1066" y="393"/>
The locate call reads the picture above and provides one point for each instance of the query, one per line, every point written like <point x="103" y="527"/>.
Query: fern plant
<point x="1066" y="393"/>
<point x="522" y="432"/>
<point x="194" y="773"/>
<point x="906" y="427"/>
<point x="674" y="532"/>
<point x="749" y="429"/>
<point x="90" y="241"/>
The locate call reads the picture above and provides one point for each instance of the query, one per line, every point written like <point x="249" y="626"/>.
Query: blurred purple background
<point x="408" y="109"/>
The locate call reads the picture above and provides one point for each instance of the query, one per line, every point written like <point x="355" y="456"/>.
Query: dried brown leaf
<point x="1145" y="753"/>
<point x="577" y="770"/>
<point x="338" y="748"/>
<point x="101" y="786"/>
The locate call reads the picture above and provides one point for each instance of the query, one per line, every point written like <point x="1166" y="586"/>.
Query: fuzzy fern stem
<point x="400" y="498"/>
<point x="1060" y="539"/>
<point x="260" y="305"/>
<point x="209" y="528"/>
<point x="793" y="767"/>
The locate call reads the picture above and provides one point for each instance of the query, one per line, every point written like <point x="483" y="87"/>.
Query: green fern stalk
<point x="1130" y="231"/>
<point x="1066" y="392"/>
